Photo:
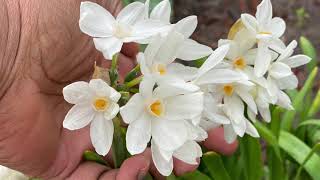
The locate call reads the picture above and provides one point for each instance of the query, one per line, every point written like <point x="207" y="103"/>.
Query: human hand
<point x="43" y="50"/>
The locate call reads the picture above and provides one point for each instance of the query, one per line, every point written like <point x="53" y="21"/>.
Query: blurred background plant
<point x="289" y="147"/>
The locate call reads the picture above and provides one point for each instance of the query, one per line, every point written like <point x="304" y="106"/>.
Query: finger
<point x="89" y="170"/>
<point x="110" y="175"/>
<point x="134" y="168"/>
<point x="181" y="167"/>
<point x="216" y="142"/>
<point x="153" y="170"/>
<point x="130" y="50"/>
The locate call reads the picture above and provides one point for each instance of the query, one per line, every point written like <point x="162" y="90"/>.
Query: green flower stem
<point x="113" y="72"/>
<point x="132" y="74"/>
<point x="119" y="151"/>
<point x="134" y="82"/>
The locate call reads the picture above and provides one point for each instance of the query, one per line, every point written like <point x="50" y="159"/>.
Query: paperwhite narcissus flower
<point x="280" y="76"/>
<point x="189" y="152"/>
<point x="110" y="33"/>
<point x="191" y="49"/>
<point x="162" y="114"/>
<point x="265" y="28"/>
<point x="96" y="103"/>
<point x="159" y="56"/>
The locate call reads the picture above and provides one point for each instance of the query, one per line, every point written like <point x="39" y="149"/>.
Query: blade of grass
<point x="94" y="157"/>
<point x="313" y="122"/>
<point x="215" y="166"/>
<point x="315" y="107"/>
<point x="269" y="137"/>
<point x="314" y="150"/>
<point x="297" y="102"/>
<point x="299" y="151"/>
<point x="196" y="175"/>
<point x="309" y="50"/>
<point x="251" y="152"/>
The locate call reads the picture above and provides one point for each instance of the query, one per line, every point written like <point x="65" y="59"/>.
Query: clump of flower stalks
<point x="167" y="105"/>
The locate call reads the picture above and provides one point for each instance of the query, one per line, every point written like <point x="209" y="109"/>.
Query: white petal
<point x="272" y="89"/>
<point x="152" y="49"/>
<point x="79" y="116"/>
<point x="162" y="11"/>
<point x="142" y="31"/>
<point x="279" y="70"/>
<point x="170" y="89"/>
<point x="251" y="115"/>
<point x="195" y="132"/>
<point x="192" y="50"/>
<point x="250" y="22"/>
<point x="181" y="71"/>
<point x="101" y="133"/>
<point x="278" y="27"/>
<point x="132" y="13"/>
<point x="284" y="101"/>
<point x="286" y="53"/>
<point x="189" y="153"/>
<point x="264" y="12"/>
<point x="234" y="108"/>
<point x="208" y="125"/>
<point x="218" y="76"/>
<point x="100" y="87"/>
<point x="95" y="20"/>
<point x="133" y="109"/>
<point x="168" y="50"/>
<point x="250" y="56"/>
<point x="78" y="92"/>
<point x="138" y="134"/>
<point x="247" y="98"/>
<point x="296" y="61"/>
<point x="186" y="26"/>
<point x="112" y="111"/>
<point x="265" y="113"/>
<point x="229" y="135"/>
<point x="263" y="59"/>
<point x="251" y="130"/>
<point x="215" y="58"/>
<point x="213" y="111"/>
<point x="163" y="166"/>
<point x="146" y="86"/>
<point x="169" y="135"/>
<point x="108" y="46"/>
<point x="182" y="107"/>
<point x="289" y="82"/>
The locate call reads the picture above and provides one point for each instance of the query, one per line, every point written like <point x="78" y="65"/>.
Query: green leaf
<point x="269" y="137"/>
<point x="309" y="50"/>
<point x="315" y="107"/>
<point x="196" y="175"/>
<point x="314" y="150"/>
<point x="288" y="118"/>
<point x="251" y="152"/>
<point x="92" y="156"/>
<point x="119" y="151"/>
<point x="215" y="166"/>
<point x="313" y="122"/>
<point x="132" y="74"/>
<point x="299" y="151"/>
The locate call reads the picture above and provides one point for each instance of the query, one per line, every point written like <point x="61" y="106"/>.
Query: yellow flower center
<point x="161" y="69"/>
<point x="265" y="33"/>
<point x="101" y="104"/>
<point x="156" y="108"/>
<point x="239" y="63"/>
<point x="228" y="89"/>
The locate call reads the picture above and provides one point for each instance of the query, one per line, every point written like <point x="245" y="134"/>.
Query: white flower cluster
<point x="175" y="103"/>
